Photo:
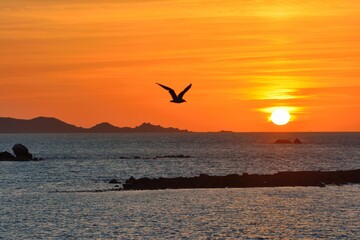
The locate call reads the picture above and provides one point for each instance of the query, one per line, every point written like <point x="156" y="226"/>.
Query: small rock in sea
<point x="136" y="157"/>
<point x="21" y="152"/>
<point x="297" y="141"/>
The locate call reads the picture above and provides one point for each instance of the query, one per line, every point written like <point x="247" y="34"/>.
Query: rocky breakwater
<point x="21" y="154"/>
<point x="280" y="179"/>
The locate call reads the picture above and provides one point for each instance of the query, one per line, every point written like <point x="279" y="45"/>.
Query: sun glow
<point x="280" y="116"/>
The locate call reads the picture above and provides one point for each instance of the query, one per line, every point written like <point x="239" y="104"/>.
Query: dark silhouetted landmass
<point x="148" y="127"/>
<point x="107" y="128"/>
<point x="37" y="125"/>
<point x="53" y="125"/>
<point x="143" y="128"/>
<point x="280" y="179"/>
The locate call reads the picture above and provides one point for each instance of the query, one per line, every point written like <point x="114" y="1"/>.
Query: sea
<point x="64" y="196"/>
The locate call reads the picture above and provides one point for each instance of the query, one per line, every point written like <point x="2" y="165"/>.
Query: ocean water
<point x="57" y="198"/>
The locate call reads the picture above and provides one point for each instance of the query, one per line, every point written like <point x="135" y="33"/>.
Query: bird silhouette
<point x="176" y="98"/>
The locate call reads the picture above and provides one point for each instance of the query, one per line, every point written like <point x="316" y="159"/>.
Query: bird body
<point x="176" y="98"/>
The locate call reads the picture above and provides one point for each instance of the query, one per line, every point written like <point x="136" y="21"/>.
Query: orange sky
<point x="86" y="62"/>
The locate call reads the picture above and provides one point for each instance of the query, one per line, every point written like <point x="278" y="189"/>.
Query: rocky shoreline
<point x="280" y="179"/>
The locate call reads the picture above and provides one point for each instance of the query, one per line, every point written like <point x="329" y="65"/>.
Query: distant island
<point x="53" y="125"/>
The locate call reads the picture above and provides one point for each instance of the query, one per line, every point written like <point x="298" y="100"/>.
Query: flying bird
<point x="176" y="98"/>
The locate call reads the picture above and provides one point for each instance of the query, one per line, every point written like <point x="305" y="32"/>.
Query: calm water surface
<point x="46" y="199"/>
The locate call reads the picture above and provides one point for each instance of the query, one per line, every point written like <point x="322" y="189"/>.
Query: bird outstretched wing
<point x="184" y="91"/>
<point x="171" y="91"/>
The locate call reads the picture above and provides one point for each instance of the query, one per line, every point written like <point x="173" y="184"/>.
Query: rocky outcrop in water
<point x="280" y="179"/>
<point x="6" y="156"/>
<point x="21" y="154"/>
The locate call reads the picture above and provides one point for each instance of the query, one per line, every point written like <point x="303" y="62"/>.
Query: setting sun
<point x="280" y="117"/>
